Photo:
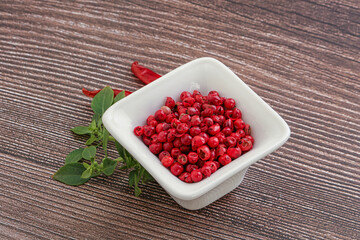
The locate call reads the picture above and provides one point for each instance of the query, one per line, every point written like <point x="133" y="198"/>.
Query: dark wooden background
<point x="302" y="57"/>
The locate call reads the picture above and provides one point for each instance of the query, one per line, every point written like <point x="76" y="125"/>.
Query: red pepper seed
<point x="163" y="154"/>
<point x="213" y="92"/>
<point x="175" y="152"/>
<point x="176" y="168"/>
<point x="154" y="138"/>
<point x="206" y="171"/>
<point x="251" y="138"/>
<point x="217" y="164"/>
<point x="146" y="140"/>
<point x="228" y="124"/>
<point x="195" y="131"/>
<point x="168" y="146"/>
<point x="213" y="142"/>
<point x="212" y="165"/>
<point x="149" y="130"/>
<point x="236" y="136"/>
<point x="220" y="150"/>
<point x="196" y="92"/>
<point x="239" y="124"/>
<point x="212" y="155"/>
<point x="191" y="167"/>
<point x="224" y="159"/>
<point x="184" y="95"/>
<point x="149" y="119"/>
<point x="184" y="176"/>
<point x="160" y="115"/>
<point x="208" y="121"/>
<point x="205" y="136"/>
<point x="167" y="161"/>
<point x="170" y="102"/>
<point x="247" y="129"/>
<point x="226" y="131"/>
<point x="214" y="129"/>
<point x="245" y="144"/>
<point x="195" y="120"/>
<point x="221" y="137"/>
<point x="229" y="103"/>
<point x="188" y="102"/>
<point x="188" y="179"/>
<point x="228" y="113"/>
<point x="177" y="143"/>
<point x="198" y="141"/>
<point x="234" y="152"/>
<point x="185" y="149"/>
<point x="153" y="123"/>
<point x="196" y="175"/>
<point x="236" y="113"/>
<point x="230" y="141"/>
<point x="162" y="136"/>
<point x="182" y="128"/>
<point x="204" y="152"/>
<point x="184" y="118"/>
<point x="193" y="157"/>
<point x="166" y="110"/>
<point x="240" y="132"/>
<point x="138" y="131"/>
<point x="200" y="99"/>
<point x="155" y="148"/>
<point x="182" y="159"/>
<point x="171" y="135"/>
<point x="186" y="139"/>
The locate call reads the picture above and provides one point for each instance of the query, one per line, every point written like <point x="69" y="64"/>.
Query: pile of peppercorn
<point x="196" y="135"/>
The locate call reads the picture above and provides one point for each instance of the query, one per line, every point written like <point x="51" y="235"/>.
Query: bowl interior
<point x="205" y="74"/>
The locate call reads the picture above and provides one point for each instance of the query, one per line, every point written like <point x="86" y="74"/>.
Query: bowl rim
<point x="178" y="188"/>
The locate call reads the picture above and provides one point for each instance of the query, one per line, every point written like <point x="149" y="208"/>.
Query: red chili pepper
<point x="93" y="93"/>
<point x="144" y="74"/>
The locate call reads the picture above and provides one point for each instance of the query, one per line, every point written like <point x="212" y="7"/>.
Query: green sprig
<point x="81" y="164"/>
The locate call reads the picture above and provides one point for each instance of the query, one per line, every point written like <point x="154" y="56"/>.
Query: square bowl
<point x="269" y="130"/>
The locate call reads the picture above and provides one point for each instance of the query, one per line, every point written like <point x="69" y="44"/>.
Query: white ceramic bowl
<point x="269" y="130"/>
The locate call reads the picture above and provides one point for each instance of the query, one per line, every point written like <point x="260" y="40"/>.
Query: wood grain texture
<point x="302" y="57"/>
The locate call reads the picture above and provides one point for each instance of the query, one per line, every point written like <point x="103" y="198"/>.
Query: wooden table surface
<point x="301" y="57"/>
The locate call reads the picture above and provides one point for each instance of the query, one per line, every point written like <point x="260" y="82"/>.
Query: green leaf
<point x="123" y="167"/>
<point x="132" y="178"/>
<point x="120" y="96"/>
<point x="119" y="159"/>
<point x="102" y="101"/>
<point x="91" y="139"/>
<point x="95" y="173"/>
<point x="137" y="191"/>
<point x="81" y="130"/>
<point x="92" y="126"/>
<point x="146" y="177"/>
<point x="109" y="166"/>
<point x="86" y="173"/>
<point x="105" y="140"/>
<point x="86" y="165"/>
<point x="70" y="174"/>
<point x="89" y="152"/>
<point x="99" y="123"/>
<point x="74" y="156"/>
<point x="95" y="118"/>
<point x="120" y="149"/>
<point x="130" y="161"/>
